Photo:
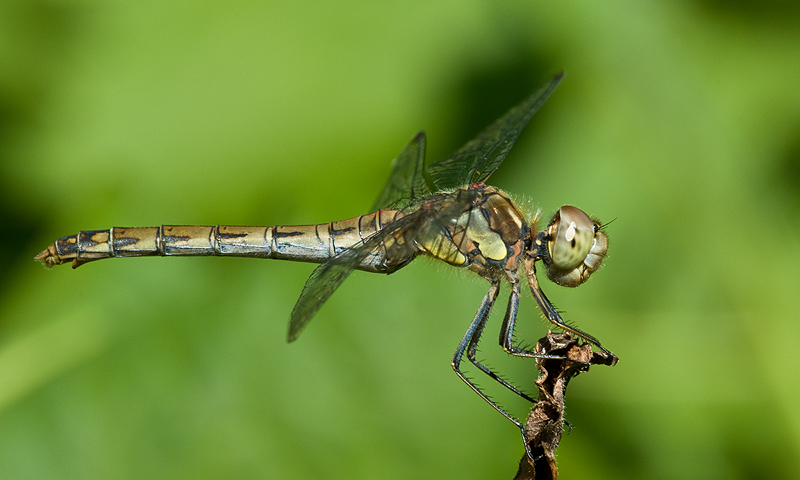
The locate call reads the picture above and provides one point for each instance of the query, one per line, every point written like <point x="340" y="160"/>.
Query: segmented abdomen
<point x="305" y="243"/>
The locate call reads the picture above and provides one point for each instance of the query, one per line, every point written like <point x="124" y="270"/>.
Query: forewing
<point x="407" y="180"/>
<point x="480" y="157"/>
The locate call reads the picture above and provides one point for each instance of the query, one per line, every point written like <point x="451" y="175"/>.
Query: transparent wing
<point x="407" y="180"/>
<point x="436" y="214"/>
<point x="327" y="277"/>
<point x="480" y="157"/>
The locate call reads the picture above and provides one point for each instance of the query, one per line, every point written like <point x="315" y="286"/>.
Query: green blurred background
<point x="681" y="120"/>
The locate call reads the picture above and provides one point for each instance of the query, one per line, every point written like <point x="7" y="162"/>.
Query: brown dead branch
<point x="545" y="423"/>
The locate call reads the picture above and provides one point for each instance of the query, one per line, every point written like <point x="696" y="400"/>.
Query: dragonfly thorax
<point x="486" y="237"/>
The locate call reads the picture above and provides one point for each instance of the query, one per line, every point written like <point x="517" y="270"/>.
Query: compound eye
<point x="572" y="237"/>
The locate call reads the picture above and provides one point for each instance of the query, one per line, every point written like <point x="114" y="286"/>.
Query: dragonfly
<point x="444" y="211"/>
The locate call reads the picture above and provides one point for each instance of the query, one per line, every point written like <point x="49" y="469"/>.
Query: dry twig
<point x="546" y="421"/>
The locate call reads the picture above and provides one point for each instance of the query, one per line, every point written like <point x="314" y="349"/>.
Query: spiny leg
<point x="551" y="313"/>
<point x="471" y="338"/>
<point x="470" y="342"/>
<point x="509" y="321"/>
<point x="510" y="316"/>
<point x="473" y="347"/>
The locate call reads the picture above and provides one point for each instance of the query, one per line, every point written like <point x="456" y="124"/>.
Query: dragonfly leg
<point x="473" y="347"/>
<point x="470" y="340"/>
<point x="509" y="321"/>
<point x="552" y="314"/>
<point x="469" y="345"/>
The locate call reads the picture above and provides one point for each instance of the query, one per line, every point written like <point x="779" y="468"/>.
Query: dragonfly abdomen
<point x="305" y="243"/>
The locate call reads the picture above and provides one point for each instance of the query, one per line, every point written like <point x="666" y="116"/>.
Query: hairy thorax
<point x="487" y="237"/>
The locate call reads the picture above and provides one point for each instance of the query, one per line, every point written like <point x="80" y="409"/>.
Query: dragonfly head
<point x="575" y="247"/>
